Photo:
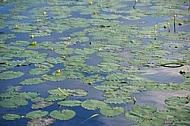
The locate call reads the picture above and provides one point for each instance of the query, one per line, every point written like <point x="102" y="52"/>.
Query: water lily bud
<point x="44" y="13"/>
<point x="182" y="72"/>
<point x="95" y="13"/>
<point x="180" y="23"/>
<point x="69" y="38"/>
<point x="58" y="71"/>
<point x="32" y="36"/>
<point x="33" y="43"/>
<point x="16" y="26"/>
<point x="90" y="3"/>
<point x="63" y="57"/>
<point x="90" y="83"/>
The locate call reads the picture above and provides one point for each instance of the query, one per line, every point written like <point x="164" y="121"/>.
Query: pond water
<point x="89" y="63"/>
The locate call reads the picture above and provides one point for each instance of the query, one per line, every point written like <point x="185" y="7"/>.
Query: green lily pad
<point x="108" y="67"/>
<point x="14" y="102"/>
<point x="36" y="114"/>
<point x="37" y="99"/>
<point x="11" y="116"/>
<point x="111" y="111"/>
<point x="54" y="77"/>
<point x="65" y="114"/>
<point x="141" y="113"/>
<point x="70" y="103"/>
<point x="10" y="75"/>
<point x="56" y="97"/>
<point x="93" y="104"/>
<point x="32" y="81"/>
<point x="117" y="100"/>
<point x="38" y="71"/>
<point x="71" y="92"/>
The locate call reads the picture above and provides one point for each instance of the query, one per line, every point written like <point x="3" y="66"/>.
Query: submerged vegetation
<point x="109" y="48"/>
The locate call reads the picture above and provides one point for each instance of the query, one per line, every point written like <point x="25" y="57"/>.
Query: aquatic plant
<point x="11" y="116"/>
<point x="59" y="89"/>
<point x="135" y="4"/>
<point x="36" y="114"/>
<point x="65" y="114"/>
<point x="175" y="22"/>
<point x="92" y="116"/>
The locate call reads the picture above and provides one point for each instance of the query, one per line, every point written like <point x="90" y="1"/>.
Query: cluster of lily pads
<point x="54" y="40"/>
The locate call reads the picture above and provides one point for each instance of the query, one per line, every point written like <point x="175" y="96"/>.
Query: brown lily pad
<point x="41" y="122"/>
<point x="41" y="104"/>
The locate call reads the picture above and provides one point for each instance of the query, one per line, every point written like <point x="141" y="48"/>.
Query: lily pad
<point x="11" y="116"/>
<point x="70" y="103"/>
<point x="14" y="102"/>
<point x="32" y="81"/>
<point x="41" y="122"/>
<point x="10" y="75"/>
<point x="93" y="104"/>
<point x="65" y="114"/>
<point x="38" y="71"/>
<point x="41" y="104"/>
<point x="71" y="92"/>
<point x="111" y="111"/>
<point x="36" y="114"/>
<point x="56" y="97"/>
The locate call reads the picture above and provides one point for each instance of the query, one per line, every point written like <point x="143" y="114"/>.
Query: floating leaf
<point x="70" y="103"/>
<point x="36" y="114"/>
<point x="37" y="99"/>
<point x="93" y="104"/>
<point x="108" y="67"/>
<point x="41" y="104"/>
<point x="141" y="112"/>
<point x="41" y="122"/>
<point x="13" y="102"/>
<point x="117" y="100"/>
<point x="32" y="81"/>
<point x="54" y="77"/>
<point x="38" y="71"/>
<point x="11" y="116"/>
<point x="70" y="92"/>
<point x="56" y="97"/>
<point x="111" y="111"/>
<point x="10" y="75"/>
<point x="65" y="114"/>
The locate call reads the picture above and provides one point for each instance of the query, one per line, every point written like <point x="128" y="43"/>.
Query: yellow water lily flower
<point x="90" y="3"/>
<point x="31" y="36"/>
<point x="58" y="71"/>
<point x="63" y="57"/>
<point x="16" y="26"/>
<point x="182" y="72"/>
<point x="180" y="23"/>
<point x="44" y="13"/>
<point x="95" y="13"/>
<point x="90" y="83"/>
<point x="33" y="43"/>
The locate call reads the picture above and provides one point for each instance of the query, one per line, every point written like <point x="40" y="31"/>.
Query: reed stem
<point x="174" y="23"/>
